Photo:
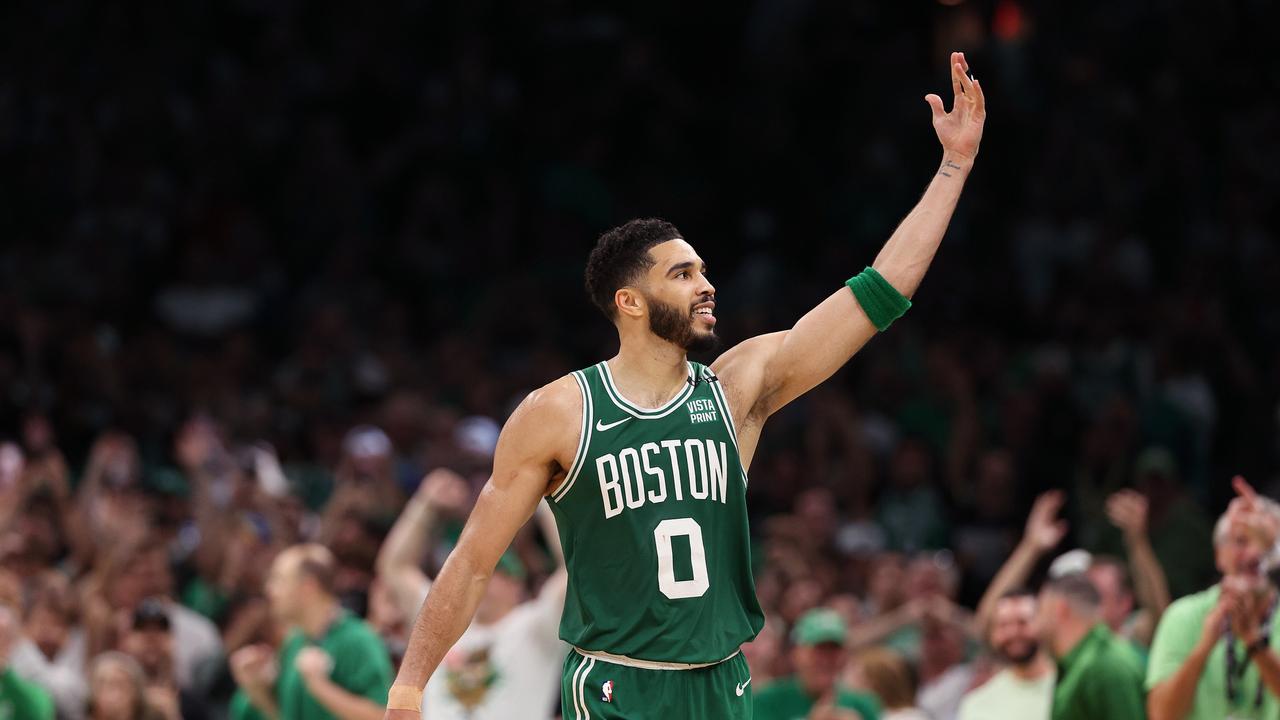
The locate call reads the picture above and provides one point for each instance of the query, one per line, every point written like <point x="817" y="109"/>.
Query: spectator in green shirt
<point x="332" y="665"/>
<point x="1203" y="637"/>
<point x="18" y="698"/>
<point x="1099" y="676"/>
<point x="819" y="654"/>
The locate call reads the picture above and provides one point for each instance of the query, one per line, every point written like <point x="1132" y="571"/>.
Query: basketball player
<point x="643" y="459"/>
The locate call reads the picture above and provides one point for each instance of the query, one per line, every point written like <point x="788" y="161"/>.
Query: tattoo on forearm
<point x="948" y="165"/>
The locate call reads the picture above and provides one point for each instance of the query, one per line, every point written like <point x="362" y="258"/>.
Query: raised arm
<point x="1127" y="510"/>
<point x="530" y="454"/>
<point x="1044" y="532"/>
<point x="399" y="560"/>
<point x="770" y="371"/>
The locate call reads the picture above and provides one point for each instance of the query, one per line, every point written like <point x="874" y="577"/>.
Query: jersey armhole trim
<point x="722" y="401"/>
<point x="584" y="439"/>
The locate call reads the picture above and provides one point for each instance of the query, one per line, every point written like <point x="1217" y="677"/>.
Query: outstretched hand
<point x="446" y="491"/>
<point x="1248" y="511"/>
<point x="1127" y="510"/>
<point x="960" y="131"/>
<point x="1044" y="529"/>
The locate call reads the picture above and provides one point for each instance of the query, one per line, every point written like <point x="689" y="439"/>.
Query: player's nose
<point x="706" y="288"/>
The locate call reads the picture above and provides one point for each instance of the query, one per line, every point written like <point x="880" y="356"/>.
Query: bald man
<point x="331" y="665"/>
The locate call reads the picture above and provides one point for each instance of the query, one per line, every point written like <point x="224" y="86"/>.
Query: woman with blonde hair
<point x="891" y="678"/>
<point x="118" y="689"/>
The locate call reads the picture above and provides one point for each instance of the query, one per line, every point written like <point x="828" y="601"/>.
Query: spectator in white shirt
<point x="507" y="664"/>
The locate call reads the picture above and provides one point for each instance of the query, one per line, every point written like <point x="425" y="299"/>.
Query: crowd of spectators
<point x="266" y="264"/>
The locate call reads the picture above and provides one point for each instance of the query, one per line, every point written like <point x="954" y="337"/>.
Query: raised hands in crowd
<point x="1248" y="595"/>
<point x="166" y="586"/>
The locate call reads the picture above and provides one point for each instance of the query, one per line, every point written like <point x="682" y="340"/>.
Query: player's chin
<point x="702" y="340"/>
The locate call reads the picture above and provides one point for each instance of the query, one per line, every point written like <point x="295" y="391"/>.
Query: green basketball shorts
<point x="596" y="689"/>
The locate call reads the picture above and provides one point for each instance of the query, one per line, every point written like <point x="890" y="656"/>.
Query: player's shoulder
<point x="550" y="408"/>
<point x="561" y="396"/>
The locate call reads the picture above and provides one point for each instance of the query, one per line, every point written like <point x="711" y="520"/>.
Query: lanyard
<point x="1237" y="666"/>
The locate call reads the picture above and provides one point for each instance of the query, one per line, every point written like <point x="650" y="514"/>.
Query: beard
<point x="676" y="326"/>
<point x="1019" y="653"/>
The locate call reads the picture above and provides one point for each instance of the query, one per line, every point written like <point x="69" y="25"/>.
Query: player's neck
<point x="649" y="370"/>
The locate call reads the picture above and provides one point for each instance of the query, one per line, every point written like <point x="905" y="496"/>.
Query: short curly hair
<point x="620" y="255"/>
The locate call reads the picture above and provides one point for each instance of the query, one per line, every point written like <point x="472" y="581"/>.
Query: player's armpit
<point x="741" y="371"/>
<point x="771" y="370"/>
<point x="820" y="343"/>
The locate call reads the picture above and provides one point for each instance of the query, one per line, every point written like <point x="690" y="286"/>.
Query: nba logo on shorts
<point x="607" y="690"/>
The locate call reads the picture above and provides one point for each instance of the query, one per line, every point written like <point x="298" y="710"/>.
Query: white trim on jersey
<point x="584" y="439"/>
<point x="645" y="664"/>
<point x="638" y="412"/>
<point x="722" y="401"/>
<point x="718" y="392"/>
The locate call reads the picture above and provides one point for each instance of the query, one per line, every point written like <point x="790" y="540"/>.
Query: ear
<point x="1062" y="609"/>
<point x="629" y="302"/>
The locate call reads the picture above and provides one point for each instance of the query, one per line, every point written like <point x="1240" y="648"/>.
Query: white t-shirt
<point x="1006" y="695"/>
<point x="941" y="698"/>
<point x="196" y="643"/>
<point x="64" y="676"/>
<point x="510" y="669"/>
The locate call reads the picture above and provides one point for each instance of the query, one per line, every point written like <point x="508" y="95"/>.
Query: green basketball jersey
<point x="653" y="519"/>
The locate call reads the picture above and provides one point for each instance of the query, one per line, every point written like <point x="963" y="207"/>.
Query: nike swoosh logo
<point x="601" y="427"/>
<point x="743" y="687"/>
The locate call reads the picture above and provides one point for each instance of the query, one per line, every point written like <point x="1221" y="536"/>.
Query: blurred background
<point x="257" y="257"/>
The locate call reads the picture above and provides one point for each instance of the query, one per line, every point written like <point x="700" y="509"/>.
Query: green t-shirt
<point x="1179" y="631"/>
<point x="1006" y="695"/>
<point x="21" y="700"/>
<point x="785" y="699"/>
<point x="205" y="598"/>
<point x="1100" y="678"/>
<point x="361" y="666"/>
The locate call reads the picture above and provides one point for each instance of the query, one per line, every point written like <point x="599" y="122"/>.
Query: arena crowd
<point x="273" y="274"/>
